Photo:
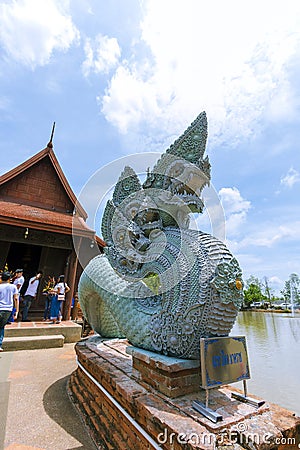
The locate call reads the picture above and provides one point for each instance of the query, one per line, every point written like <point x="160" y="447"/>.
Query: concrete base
<point x="124" y="411"/>
<point x="70" y="330"/>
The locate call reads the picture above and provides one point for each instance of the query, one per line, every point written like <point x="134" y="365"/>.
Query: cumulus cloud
<point x="229" y="58"/>
<point x="102" y="54"/>
<point x="275" y="281"/>
<point x="290" y="178"/>
<point x="32" y="30"/>
<point x="269" y="235"/>
<point x="128" y="98"/>
<point x="235" y="207"/>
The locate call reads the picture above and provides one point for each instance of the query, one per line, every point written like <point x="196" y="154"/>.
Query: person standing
<point x="8" y="300"/>
<point x="60" y="289"/>
<point x="48" y="291"/>
<point x="30" y="294"/>
<point x="18" y="281"/>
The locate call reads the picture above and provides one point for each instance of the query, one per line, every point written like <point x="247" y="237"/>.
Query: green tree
<point x="292" y="283"/>
<point x="253" y="291"/>
<point x="268" y="291"/>
<point x="253" y="280"/>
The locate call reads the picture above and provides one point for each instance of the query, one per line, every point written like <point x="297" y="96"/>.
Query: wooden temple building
<point x="43" y="226"/>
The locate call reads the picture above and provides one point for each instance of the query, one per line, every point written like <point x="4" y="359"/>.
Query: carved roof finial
<point x="50" y="145"/>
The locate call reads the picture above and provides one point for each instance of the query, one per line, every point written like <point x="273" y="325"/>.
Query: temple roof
<point x="39" y="218"/>
<point x="29" y="195"/>
<point x="44" y="154"/>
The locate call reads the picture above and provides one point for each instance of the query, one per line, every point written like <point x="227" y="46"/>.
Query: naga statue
<point x="159" y="283"/>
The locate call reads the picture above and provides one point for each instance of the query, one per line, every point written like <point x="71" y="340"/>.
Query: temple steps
<point x="38" y="335"/>
<point x="32" y="342"/>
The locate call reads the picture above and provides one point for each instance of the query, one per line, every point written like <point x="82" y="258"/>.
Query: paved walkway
<point x="35" y="410"/>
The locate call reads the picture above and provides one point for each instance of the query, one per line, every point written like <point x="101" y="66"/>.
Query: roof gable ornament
<point x="50" y="145"/>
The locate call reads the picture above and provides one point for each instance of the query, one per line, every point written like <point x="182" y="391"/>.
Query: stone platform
<point x="37" y="335"/>
<point x="126" y="409"/>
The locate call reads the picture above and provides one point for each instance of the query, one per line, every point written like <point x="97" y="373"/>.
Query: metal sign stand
<point x="224" y="360"/>
<point x="245" y="399"/>
<point x="205" y="410"/>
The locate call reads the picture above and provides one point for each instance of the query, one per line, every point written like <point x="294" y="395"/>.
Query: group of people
<point x="10" y="289"/>
<point x="18" y="280"/>
<point x="55" y="295"/>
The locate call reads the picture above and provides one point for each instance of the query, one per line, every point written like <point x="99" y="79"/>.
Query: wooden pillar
<point x="71" y="280"/>
<point x="4" y="249"/>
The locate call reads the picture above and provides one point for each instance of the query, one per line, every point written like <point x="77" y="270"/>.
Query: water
<point x="273" y="342"/>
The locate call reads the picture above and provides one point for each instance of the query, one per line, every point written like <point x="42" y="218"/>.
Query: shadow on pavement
<point x="59" y="407"/>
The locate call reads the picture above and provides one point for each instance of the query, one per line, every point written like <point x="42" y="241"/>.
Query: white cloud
<point x="232" y="201"/>
<point x="275" y="281"/>
<point x="290" y="178"/>
<point x="102" y="54"/>
<point x="235" y="207"/>
<point x="229" y="58"/>
<point x="32" y="29"/>
<point x="224" y="213"/>
<point x="128" y="98"/>
<point x="268" y="236"/>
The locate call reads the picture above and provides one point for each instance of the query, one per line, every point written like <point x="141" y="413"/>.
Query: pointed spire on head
<point x="191" y="144"/>
<point x="127" y="184"/>
<point x="50" y="145"/>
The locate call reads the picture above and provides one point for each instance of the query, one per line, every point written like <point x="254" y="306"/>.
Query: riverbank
<point x="275" y="311"/>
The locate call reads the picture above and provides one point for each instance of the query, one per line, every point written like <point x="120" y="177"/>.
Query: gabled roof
<point x="46" y="153"/>
<point x="41" y="219"/>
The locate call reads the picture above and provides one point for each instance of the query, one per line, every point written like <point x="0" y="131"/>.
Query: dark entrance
<point x="30" y="257"/>
<point x="24" y="256"/>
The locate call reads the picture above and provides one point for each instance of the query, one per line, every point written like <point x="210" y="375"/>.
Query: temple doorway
<point x="24" y="256"/>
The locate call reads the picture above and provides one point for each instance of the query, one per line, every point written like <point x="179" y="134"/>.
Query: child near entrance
<point x="60" y="290"/>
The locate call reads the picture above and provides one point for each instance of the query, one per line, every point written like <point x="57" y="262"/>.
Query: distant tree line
<point x="257" y="290"/>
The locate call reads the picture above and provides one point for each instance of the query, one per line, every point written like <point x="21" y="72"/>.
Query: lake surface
<point x="273" y="342"/>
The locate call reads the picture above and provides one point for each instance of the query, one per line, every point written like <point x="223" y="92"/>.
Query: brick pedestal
<point x="170" y="376"/>
<point x="125" y="411"/>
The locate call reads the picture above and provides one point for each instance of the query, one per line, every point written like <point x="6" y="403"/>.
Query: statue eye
<point x="121" y="237"/>
<point x="177" y="170"/>
<point x="238" y="284"/>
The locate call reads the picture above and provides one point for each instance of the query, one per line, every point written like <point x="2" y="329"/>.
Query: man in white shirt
<point x="18" y="281"/>
<point x="8" y="300"/>
<point x="30" y="294"/>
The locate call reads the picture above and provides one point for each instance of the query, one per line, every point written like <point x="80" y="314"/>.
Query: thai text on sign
<point x="224" y="360"/>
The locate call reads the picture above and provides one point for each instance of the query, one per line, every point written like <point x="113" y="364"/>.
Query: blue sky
<point x="122" y="77"/>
